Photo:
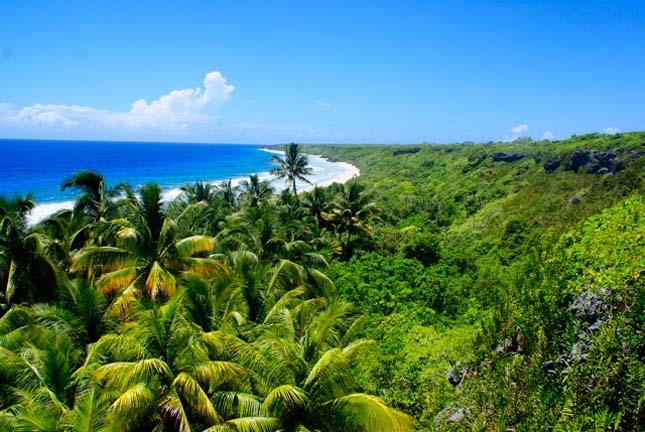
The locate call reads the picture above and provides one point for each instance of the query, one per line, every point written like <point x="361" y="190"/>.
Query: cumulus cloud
<point x="177" y="109"/>
<point x="323" y="104"/>
<point x="520" y="129"/>
<point x="517" y="132"/>
<point x="611" y="130"/>
<point x="548" y="135"/>
<point x="54" y="115"/>
<point x="181" y="105"/>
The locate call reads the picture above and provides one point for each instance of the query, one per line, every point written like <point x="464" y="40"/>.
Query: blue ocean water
<point x="39" y="167"/>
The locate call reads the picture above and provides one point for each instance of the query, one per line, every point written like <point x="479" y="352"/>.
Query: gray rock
<point x="551" y="166"/>
<point x="588" y="307"/>
<point x="595" y="162"/>
<point x="548" y="367"/>
<point x="507" y="156"/>
<point x="578" y="159"/>
<point x="456" y="376"/>
<point x="458" y="415"/>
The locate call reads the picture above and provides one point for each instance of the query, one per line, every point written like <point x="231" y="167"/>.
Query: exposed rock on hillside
<point x="507" y="156"/>
<point x="594" y="162"/>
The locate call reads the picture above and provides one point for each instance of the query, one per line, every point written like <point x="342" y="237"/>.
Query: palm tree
<point x="26" y="274"/>
<point x="160" y="373"/>
<point x="301" y="369"/>
<point x="255" y="191"/>
<point x="94" y="200"/>
<point x="198" y="192"/>
<point x="352" y="214"/>
<point x="39" y="356"/>
<point x="148" y="255"/>
<point x="316" y="203"/>
<point x="229" y="193"/>
<point x="93" y="208"/>
<point x="294" y="166"/>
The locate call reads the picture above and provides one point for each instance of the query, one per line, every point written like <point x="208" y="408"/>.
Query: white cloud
<point x="175" y="110"/>
<point x="323" y="104"/>
<point x="611" y="130"/>
<point x="548" y="135"/>
<point x="181" y="105"/>
<point x="55" y="115"/>
<point x="516" y="132"/>
<point x="520" y="129"/>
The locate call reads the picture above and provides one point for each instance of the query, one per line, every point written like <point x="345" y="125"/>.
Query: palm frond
<point x="133" y="402"/>
<point x="159" y="282"/>
<point x="106" y="257"/>
<point x="283" y="399"/>
<point x="330" y="377"/>
<point x="111" y="282"/>
<point x="368" y="413"/>
<point x="193" y="245"/>
<point x="191" y="392"/>
<point x="234" y="403"/>
<point x="255" y="424"/>
<point x="215" y="373"/>
<point x="174" y="413"/>
<point x="88" y="415"/>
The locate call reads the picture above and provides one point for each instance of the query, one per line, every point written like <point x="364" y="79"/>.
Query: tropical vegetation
<point x="494" y="286"/>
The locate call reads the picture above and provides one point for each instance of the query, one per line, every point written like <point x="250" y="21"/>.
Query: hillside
<point x="472" y="275"/>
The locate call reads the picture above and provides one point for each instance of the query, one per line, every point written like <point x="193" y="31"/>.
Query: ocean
<point x="40" y="166"/>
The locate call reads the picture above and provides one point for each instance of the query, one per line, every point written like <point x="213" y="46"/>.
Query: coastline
<point x="349" y="172"/>
<point x="325" y="174"/>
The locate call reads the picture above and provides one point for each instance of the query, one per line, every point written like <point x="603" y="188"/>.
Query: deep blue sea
<point x="39" y="167"/>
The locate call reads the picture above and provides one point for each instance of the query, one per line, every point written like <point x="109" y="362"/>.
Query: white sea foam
<point x="41" y="211"/>
<point x="324" y="173"/>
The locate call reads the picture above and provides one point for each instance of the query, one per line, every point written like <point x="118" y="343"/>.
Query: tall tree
<point x="148" y="255"/>
<point x="301" y="364"/>
<point x="255" y="191"/>
<point x="352" y="214"/>
<point x="294" y="166"/>
<point x="159" y="373"/>
<point x="229" y="193"/>
<point x="94" y="196"/>
<point x="26" y="274"/>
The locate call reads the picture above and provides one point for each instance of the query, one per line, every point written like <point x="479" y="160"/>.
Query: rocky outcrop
<point x="590" y="310"/>
<point x="594" y="162"/>
<point x="406" y="151"/>
<point x="456" y="375"/>
<point x="450" y="414"/>
<point x="507" y="156"/>
<point x="551" y="166"/>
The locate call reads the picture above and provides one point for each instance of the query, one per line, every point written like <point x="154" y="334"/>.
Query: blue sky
<point x="346" y="71"/>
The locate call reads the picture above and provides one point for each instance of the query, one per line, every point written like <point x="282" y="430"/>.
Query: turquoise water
<point x="39" y="167"/>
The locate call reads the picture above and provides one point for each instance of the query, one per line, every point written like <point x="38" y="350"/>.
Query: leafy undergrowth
<point x="488" y="257"/>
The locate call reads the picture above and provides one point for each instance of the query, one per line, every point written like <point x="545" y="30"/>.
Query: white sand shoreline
<point x="346" y="172"/>
<point x="349" y="172"/>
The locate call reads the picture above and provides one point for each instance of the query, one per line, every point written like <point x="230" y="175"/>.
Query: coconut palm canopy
<point x="209" y="313"/>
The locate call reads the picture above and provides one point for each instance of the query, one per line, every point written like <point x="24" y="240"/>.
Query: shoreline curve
<point x="346" y="172"/>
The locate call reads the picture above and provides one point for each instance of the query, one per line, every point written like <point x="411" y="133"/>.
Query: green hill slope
<point x="480" y="254"/>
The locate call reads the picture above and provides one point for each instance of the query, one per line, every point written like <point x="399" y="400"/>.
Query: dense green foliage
<point x="211" y="312"/>
<point x="474" y="287"/>
<point x="480" y="254"/>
